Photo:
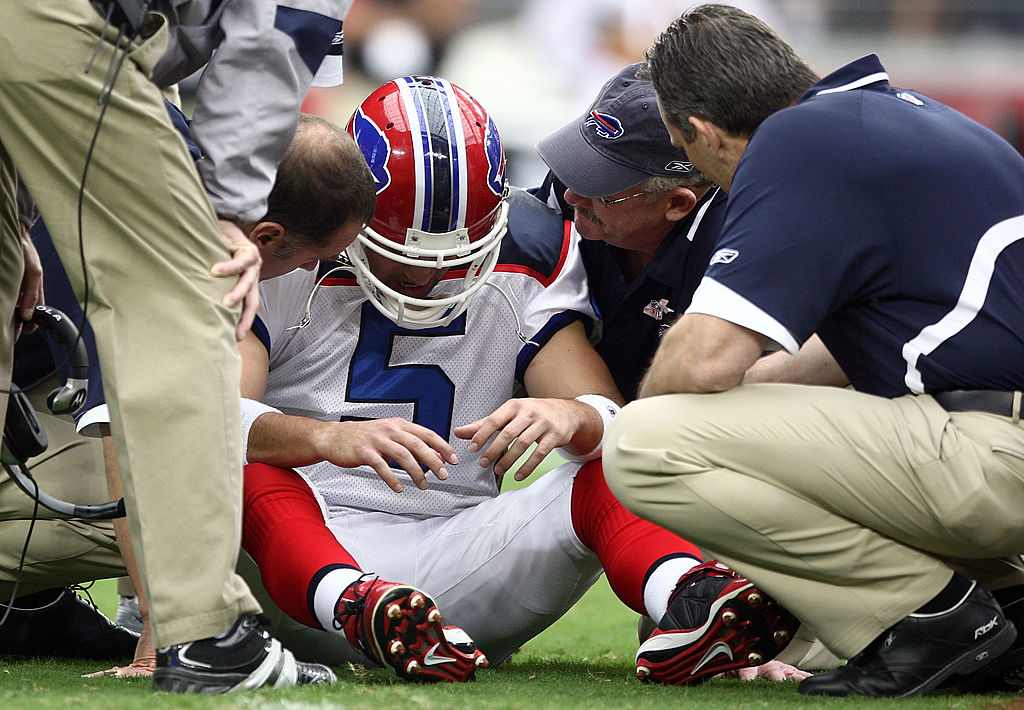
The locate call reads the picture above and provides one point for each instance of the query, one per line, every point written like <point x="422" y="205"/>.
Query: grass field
<point x="583" y="662"/>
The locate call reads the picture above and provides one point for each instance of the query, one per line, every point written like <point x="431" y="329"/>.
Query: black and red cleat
<point x="716" y="621"/>
<point x="399" y="626"/>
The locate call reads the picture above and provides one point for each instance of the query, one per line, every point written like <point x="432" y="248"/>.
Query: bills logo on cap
<point x="375" y="146"/>
<point x="679" y="166"/>
<point x="605" y="125"/>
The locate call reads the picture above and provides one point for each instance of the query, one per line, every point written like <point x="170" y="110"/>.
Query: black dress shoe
<point x="923" y="650"/>
<point x="57" y="623"/>
<point x="1006" y="673"/>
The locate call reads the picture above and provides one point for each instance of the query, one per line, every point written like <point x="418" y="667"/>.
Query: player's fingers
<point x="440" y="446"/>
<point x="530" y="465"/>
<point x="466" y="431"/>
<point x="432" y="459"/>
<point x="485" y="429"/>
<point x="387" y="475"/>
<point x="499" y="447"/>
<point x="411" y="466"/>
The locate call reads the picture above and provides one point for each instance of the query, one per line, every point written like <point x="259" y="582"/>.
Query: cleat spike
<point x="754" y="658"/>
<point x="729" y="617"/>
<point x="642" y="672"/>
<point x="755" y="600"/>
<point x="396" y="648"/>
<point x="394" y="611"/>
<point x="434" y="616"/>
<point x="417" y="601"/>
<point x="781" y="637"/>
<point x="482" y="662"/>
<point x="412" y="667"/>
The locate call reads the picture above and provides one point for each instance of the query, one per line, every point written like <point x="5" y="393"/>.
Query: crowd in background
<point x="534" y="62"/>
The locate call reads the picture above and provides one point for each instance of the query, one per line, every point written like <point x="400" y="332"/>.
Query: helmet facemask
<point x="439" y="168"/>
<point x="429" y="250"/>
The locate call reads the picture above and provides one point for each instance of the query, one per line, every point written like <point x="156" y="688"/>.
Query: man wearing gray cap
<point x="648" y="218"/>
<point x="649" y="222"/>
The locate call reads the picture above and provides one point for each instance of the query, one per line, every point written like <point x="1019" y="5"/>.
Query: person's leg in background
<point x="166" y="343"/>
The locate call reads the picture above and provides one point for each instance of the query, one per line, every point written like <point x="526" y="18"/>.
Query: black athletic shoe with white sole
<point x="918" y="653"/>
<point x="244" y="658"/>
<point x="717" y="621"/>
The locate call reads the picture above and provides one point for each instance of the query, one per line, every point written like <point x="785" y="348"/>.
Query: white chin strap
<point x="420" y="313"/>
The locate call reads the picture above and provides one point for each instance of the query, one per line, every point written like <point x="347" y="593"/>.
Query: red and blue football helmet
<point x="439" y="170"/>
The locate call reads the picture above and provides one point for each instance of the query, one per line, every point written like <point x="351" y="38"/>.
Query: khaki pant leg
<point x="11" y="270"/>
<point x="837" y="503"/>
<point x="60" y="551"/>
<point x="166" y="344"/>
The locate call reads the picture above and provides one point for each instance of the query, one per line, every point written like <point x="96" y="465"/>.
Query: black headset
<point x="24" y="436"/>
<point x="69" y="398"/>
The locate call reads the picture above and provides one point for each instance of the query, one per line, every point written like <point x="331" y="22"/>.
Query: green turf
<point x="583" y="662"/>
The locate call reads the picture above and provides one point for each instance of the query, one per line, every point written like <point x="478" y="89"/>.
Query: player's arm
<point x="290" y="441"/>
<point x="566" y="367"/>
<point x="702" y="353"/>
<point x="812" y="365"/>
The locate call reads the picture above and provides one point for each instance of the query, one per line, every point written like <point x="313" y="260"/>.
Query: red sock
<point x="284" y="531"/>
<point x="629" y="548"/>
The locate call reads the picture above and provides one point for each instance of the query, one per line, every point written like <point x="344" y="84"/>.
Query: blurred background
<point x="536" y="64"/>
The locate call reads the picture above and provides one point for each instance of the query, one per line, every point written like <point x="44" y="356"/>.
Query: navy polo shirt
<point x="636" y="311"/>
<point x="888" y="223"/>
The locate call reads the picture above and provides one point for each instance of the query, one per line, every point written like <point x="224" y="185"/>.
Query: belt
<point x="991" y="401"/>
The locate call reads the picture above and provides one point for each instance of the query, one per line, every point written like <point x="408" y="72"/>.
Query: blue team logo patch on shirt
<point x="375" y="146"/>
<point x="605" y="125"/>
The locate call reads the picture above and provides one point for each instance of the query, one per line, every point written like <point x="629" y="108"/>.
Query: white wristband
<point x="607" y="409"/>
<point x="251" y="411"/>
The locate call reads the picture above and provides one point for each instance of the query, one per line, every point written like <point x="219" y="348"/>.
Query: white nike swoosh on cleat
<point x="667" y="640"/>
<point x="432" y="658"/>
<point x="719" y="649"/>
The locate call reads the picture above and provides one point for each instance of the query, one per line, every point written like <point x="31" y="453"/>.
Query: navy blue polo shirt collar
<point x="669" y="263"/>
<point x="861" y="73"/>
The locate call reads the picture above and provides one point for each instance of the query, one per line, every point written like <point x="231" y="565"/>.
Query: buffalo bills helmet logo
<point x="495" y="165"/>
<point x="605" y="124"/>
<point x="375" y="146"/>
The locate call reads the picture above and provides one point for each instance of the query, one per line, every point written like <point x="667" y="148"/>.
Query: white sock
<point x="325" y="599"/>
<point x="661" y="582"/>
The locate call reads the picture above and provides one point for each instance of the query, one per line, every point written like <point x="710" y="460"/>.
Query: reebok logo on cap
<point x="679" y="166"/>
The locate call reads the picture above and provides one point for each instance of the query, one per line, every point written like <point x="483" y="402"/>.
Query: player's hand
<point x="377" y="442"/>
<point x="518" y="424"/>
<point x="245" y="263"/>
<point x="772" y="670"/>
<point x="31" y="292"/>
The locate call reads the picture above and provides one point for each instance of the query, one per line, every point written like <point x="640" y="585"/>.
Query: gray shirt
<point x="260" y="58"/>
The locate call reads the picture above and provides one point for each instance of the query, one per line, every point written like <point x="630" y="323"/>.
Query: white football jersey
<point x="352" y="363"/>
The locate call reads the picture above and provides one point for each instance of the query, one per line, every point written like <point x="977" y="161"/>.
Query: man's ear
<point x="267" y="236"/>
<point x="707" y="132"/>
<point x="681" y="201"/>
<point x="723" y="146"/>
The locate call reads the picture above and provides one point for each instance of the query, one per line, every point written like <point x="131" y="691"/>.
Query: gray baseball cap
<point x="618" y="143"/>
